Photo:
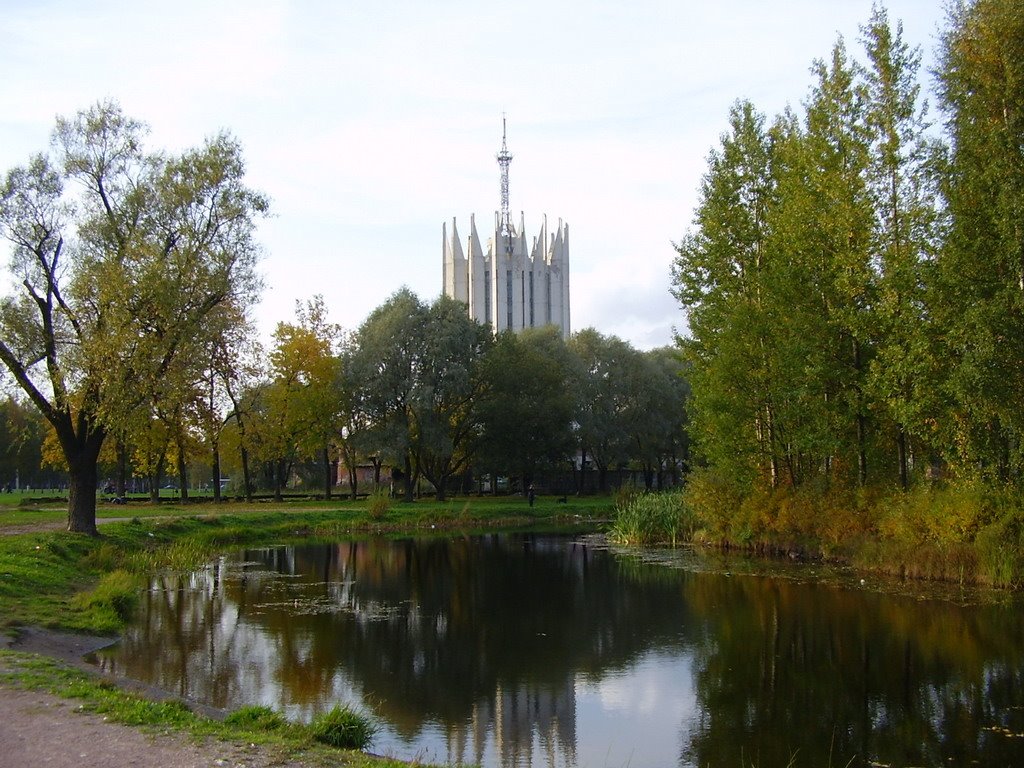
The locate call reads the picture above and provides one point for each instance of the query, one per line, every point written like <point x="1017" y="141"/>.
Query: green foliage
<point x="529" y="403"/>
<point x="854" y="303"/>
<point x="623" y="495"/>
<point x="714" y="498"/>
<point x="344" y="727"/>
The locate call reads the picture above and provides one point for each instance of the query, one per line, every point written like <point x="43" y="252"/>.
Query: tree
<point x="528" y="403"/>
<point x="447" y="391"/>
<point x="22" y="431"/>
<point x="116" y="279"/>
<point x="655" y="414"/>
<point x="605" y="389"/>
<point x="903" y="372"/>
<point x="718" y="277"/>
<point x="385" y="365"/>
<point x="979" y="296"/>
<point x="215" y="401"/>
<point x="301" y="398"/>
<point x="825" y="284"/>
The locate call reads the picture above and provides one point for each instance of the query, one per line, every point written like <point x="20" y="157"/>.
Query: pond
<point x="527" y="650"/>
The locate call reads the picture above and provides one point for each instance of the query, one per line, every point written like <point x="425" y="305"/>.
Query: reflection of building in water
<point x="527" y="726"/>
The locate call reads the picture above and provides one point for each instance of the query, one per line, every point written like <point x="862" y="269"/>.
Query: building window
<point x="531" y="299"/>
<point x="547" y="303"/>
<point x="487" y="296"/>
<point x="508" y="297"/>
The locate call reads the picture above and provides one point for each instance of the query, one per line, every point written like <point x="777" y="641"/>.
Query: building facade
<point x="512" y="284"/>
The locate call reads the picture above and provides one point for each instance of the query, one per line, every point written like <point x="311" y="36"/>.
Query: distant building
<point x="512" y="284"/>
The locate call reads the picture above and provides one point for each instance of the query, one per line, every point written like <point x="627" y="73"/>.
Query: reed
<point x="652" y="518"/>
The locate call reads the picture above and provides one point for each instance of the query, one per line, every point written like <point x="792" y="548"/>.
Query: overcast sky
<point x="370" y="124"/>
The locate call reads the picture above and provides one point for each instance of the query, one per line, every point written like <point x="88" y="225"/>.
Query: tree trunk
<point x="328" y="480"/>
<point x="246" y="478"/>
<point x="121" y="478"/>
<point x="353" y="482"/>
<point x="408" y="478"/>
<point x="82" y="497"/>
<point x="215" y="471"/>
<point x="377" y="462"/>
<point x="182" y="473"/>
<point x="155" y="479"/>
<point x="901" y="450"/>
<point x="278" y="480"/>
<point x="862" y="451"/>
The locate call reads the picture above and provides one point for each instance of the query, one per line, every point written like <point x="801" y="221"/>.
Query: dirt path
<point x="40" y="729"/>
<point x="37" y="729"/>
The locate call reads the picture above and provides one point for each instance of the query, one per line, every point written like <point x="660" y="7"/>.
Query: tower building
<point x="512" y="284"/>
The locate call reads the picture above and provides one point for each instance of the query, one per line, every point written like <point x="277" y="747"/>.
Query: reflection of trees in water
<point x="486" y="637"/>
<point x="466" y="632"/>
<point x="842" y="674"/>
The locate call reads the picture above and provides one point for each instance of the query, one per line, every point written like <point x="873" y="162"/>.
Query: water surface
<point x="528" y="650"/>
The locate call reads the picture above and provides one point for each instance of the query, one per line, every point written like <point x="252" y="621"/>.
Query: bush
<point x="344" y="727"/>
<point x="1000" y="548"/>
<point x="378" y="503"/>
<point x="714" y="501"/>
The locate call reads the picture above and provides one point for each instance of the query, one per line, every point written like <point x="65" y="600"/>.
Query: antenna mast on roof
<point x="504" y="158"/>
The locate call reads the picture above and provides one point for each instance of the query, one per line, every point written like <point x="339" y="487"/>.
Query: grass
<point x="344" y="728"/>
<point x="79" y="583"/>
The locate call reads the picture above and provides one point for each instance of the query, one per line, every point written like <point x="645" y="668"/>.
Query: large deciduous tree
<point x="302" y="403"/>
<point x="120" y="256"/>
<point x="903" y="371"/>
<point x="980" y="271"/>
<point x="385" y="363"/>
<point x="529" y="402"/>
<point x="719" y="276"/>
<point x="446" y="398"/>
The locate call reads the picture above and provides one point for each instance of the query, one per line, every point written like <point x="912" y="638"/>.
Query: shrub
<point x="344" y="727"/>
<point x="1000" y="549"/>
<point x="378" y="503"/>
<point x="714" y="500"/>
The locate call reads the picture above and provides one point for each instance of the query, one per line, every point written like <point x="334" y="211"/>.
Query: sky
<point x="371" y="124"/>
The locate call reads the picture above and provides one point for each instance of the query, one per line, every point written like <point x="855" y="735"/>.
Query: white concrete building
<point x="512" y="284"/>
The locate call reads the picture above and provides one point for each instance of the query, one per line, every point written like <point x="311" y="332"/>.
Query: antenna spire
<point x="504" y="158"/>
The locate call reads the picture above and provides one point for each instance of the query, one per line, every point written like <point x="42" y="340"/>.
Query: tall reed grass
<point x="649" y="519"/>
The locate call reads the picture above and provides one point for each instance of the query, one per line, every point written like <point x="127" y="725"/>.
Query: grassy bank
<point x="78" y="583"/>
<point x="964" y="532"/>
